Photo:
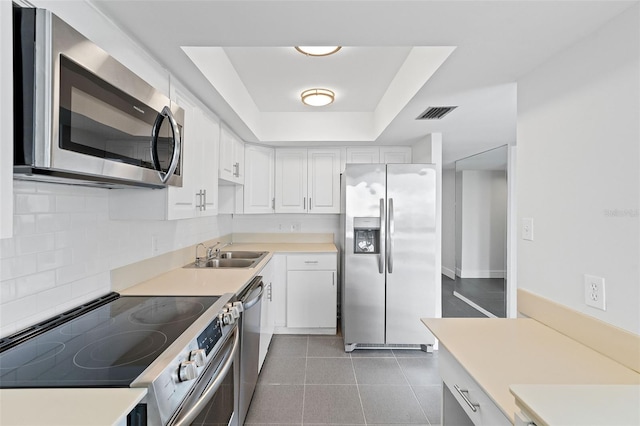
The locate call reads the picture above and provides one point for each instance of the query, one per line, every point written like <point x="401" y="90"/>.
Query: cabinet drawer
<point x="311" y="262"/>
<point x="457" y="380"/>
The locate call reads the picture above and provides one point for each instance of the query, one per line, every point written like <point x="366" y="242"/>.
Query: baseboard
<point x="474" y="305"/>
<point x="448" y="272"/>
<point x="618" y="344"/>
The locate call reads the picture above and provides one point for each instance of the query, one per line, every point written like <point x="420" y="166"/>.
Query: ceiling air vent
<point x="436" y="113"/>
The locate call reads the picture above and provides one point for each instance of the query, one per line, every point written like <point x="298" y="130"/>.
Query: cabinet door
<point x="311" y="299"/>
<point x="324" y="181"/>
<point x="209" y="160"/>
<point x="259" y="179"/>
<point x="227" y="168"/>
<point x="291" y="181"/>
<point x="363" y="155"/>
<point x="395" y="154"/>
<point x="238" y="160"/>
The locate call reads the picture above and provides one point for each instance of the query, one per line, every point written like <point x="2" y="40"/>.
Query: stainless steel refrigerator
<point x="389" y="252"/>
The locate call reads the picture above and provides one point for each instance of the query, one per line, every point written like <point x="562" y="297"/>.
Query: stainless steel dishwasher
<point x="251" y="299"/>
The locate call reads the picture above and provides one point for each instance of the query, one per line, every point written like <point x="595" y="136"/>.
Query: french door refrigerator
<point x="388" y="278"/>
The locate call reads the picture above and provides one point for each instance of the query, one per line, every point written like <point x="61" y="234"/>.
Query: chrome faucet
<point x="220" y="248"/>
<point x="200" y="259"/>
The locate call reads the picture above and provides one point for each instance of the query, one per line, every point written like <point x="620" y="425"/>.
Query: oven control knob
<point x="199" y="356"/>
<point x="188" y="371"/>
<point x="227" y="318"/>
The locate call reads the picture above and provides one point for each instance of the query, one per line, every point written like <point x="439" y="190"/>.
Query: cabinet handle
<point x="310" y="261"/>
<point x="463" y="393"/>
<point x="273" y="204"/>
<point x="310" y="205"/>
<point x="304" y="203"/>
<point x="204" y="196"/>
<point x="236" y="166"/>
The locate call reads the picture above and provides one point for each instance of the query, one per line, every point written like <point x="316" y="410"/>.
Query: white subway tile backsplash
<point x="64" y="247"/>
<point x="18" y="266"/>
<point x="69" y="203"/>
<point x="47" y="222"/>
<point x="24" y="224"/>
<point x="33" y="203"/>
<point x="7" y="248"/>
<point x="34" y="243"/>
<point x="71" y="273"/>
<point x="35" y="283"/>
<point x="8" y="291"/>
<point x="53" y="259"/>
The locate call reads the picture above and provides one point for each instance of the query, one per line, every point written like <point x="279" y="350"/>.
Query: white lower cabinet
<point x="464" y="402"/>
<point x="312" y="293"/>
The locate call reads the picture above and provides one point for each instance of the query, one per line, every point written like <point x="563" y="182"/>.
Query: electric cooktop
<point x="105" y="346"/>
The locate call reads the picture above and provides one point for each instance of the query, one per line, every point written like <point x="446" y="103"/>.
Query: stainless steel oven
<point x="82" y="117"/>
<point x="183" y="349"/>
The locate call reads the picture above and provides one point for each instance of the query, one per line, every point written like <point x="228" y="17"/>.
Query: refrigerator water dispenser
<point x="366" y="234"/>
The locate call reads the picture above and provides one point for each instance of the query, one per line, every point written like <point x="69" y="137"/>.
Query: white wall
<point x="483" y="232"/>
<point x="448" y="222"/>
<point x="579" y="172"/>
<point x="283" y="223"/>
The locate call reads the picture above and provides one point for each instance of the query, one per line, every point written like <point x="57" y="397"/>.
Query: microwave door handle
<point x="175" y="130"/>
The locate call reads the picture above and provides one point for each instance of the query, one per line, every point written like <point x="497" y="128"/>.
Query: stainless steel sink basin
<point x="242" y="254"/>
<point x="231" y="259"/>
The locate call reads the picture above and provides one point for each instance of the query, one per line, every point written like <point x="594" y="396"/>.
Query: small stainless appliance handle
<point x="390" y="238"/>
<point x="381" y="237"/>
<point x="175" y="130"/>
<point x="248" y="305"/>
<point x="188" y="417"/>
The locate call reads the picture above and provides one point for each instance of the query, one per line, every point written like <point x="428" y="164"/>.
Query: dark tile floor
<point x="487" y="293"/>
<point x="310" y="380"/>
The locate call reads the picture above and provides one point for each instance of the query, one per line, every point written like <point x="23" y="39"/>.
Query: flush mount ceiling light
<point x="317" y="97"/>
<point x="318" y="50"/>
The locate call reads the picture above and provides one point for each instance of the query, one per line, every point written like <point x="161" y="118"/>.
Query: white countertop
<point x="67" y="407"/>
<point x="213" y="281"/>
<point x="580" y="405"/>
<point x="499" y="353"/>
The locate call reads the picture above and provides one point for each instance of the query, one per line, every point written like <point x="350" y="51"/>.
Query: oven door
<point x="214" y="397"/>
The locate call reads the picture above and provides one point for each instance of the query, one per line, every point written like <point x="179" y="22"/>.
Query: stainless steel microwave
<point x="81" y="117"/>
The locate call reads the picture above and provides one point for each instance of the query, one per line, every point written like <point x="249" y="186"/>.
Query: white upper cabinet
<point x="323" y="180"/>
<point x="231" y="157"/>
<point x="307" y="181"/>
<point x="259" y="190"/>
<point x="367" y="155"/>
<point x="382" y="154"/>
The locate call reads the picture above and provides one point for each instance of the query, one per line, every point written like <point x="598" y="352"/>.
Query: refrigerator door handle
<point x="390" y="238"/>
<point x="380" y="243"/>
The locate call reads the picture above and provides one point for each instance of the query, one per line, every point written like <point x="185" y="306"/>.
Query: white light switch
<point x="527" y="228"/>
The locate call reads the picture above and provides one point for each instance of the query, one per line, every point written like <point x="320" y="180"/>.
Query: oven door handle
<point x="252" y="302"/>
<point x="189" y="416"/>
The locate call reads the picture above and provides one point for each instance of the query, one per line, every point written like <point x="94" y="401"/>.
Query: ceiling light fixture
<point x="318" y="50"/>
<point x="317" y="97"/>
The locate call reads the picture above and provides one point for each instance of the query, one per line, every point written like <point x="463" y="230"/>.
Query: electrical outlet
<point x="594" y="291"/>
<point x="154" y="244"/>
<point x="295" y="227"/>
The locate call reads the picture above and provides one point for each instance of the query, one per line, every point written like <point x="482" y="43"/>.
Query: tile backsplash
<point x="64" y="246"/>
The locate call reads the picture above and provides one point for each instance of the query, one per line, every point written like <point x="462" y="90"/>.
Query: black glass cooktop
<point x="108" y="346"/>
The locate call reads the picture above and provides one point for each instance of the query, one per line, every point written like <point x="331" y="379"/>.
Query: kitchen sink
<point x="231" y="259"/>
<point x="242" y="254"/>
